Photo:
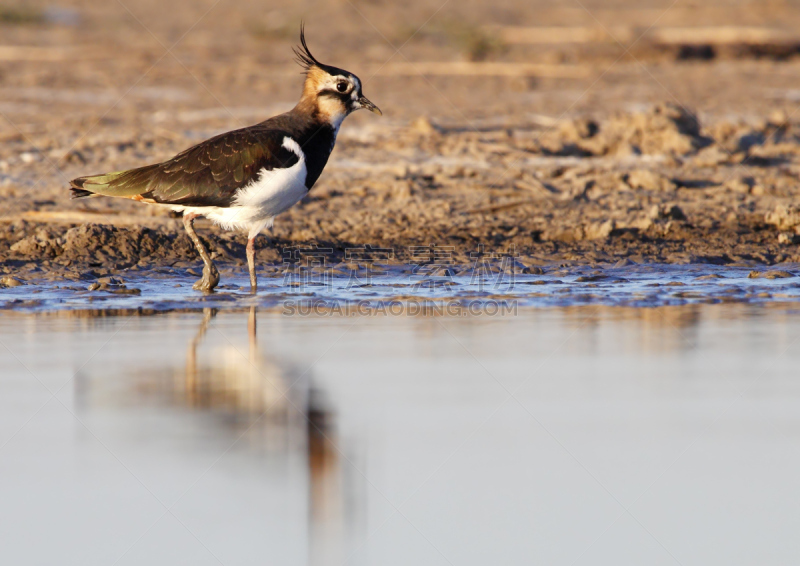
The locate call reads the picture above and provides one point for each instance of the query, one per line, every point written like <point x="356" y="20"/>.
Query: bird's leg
<point x="251" y="262"/>
<point x="210" y="274"/>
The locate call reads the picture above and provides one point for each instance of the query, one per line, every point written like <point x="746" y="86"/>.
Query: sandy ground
<point x="616" y="149"/>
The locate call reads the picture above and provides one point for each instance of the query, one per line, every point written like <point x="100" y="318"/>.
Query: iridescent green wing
<point x="208" y="174"/>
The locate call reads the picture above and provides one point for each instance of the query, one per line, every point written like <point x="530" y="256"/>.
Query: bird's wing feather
<point x="207" y="174"/>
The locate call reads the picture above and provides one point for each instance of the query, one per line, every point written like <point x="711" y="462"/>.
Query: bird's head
<point x="331" y="92"/>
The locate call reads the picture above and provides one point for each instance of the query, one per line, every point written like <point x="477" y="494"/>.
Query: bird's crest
<point x="303" y="54"/>
<point x="306" y="60"/>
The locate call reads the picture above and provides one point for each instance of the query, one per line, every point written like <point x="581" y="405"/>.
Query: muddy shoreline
<point x="644" y="156"/>
<point x="500" y="287"/>
<point x="654" y="186"/>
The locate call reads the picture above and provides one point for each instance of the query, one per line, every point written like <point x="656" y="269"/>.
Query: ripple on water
<point x="632" y="285"/>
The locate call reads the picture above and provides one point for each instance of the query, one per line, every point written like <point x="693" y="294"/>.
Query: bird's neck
<point x="315" y="132"/>
<point x="321" y="110"/>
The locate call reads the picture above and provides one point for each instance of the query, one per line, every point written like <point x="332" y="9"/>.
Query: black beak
<point x="365" y="103"/>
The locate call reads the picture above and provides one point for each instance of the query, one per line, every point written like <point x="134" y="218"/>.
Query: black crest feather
<point x="303" y="54"/>
<point x="305" y="59"/>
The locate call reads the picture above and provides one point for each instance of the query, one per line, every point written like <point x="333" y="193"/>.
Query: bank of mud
<point x="650" y="186"/>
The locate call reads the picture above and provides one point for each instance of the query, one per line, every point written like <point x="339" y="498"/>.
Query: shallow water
<point x="373" y="287"/>
<point x="582" y="435"/>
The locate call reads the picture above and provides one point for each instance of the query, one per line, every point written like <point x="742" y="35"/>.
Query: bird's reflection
<point x="219" y="376"/>
<point x="242" y="385"/>
<point x="253" y="397"/>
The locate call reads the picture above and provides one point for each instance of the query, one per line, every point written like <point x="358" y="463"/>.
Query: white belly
<point x="257" y="204"/>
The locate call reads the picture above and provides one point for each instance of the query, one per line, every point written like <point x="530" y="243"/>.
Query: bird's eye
<point x="341" y="86"/>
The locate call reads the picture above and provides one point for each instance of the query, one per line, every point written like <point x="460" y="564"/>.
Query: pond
<point x="573" y="434"/>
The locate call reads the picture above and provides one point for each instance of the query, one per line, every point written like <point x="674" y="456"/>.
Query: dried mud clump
<point x="128" y="244"/>
<point x="98" y="244"/>
<point x="666" y="128"/>
<point x="663" y="129"/>
<point x="785" y="217"/>
<point x="650" y="180"/>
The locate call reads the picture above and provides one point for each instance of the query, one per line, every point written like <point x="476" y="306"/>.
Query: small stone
<point x="443" y="272"/>
<point x="10" y="281"/>
<point x="784" y="216"/>
<point x="778" y="118"/>
<point x="741" y="185"/>
<point x="424" y="126"/>
<point x="775" y="274"/>
<point x="711" y="156"/>
<point x="665" y="211"/>
<point x="624" y="262"/>
<point x="26" y="246"/>
<point x="600" y="230"/>
<point x="125" y="291"/>
<point x="649" y="180"/>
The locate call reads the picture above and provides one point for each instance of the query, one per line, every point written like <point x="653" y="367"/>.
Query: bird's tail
<point x="81" y="193"/>
<point x="77" y="191"/>
<point x="99" y="185"/>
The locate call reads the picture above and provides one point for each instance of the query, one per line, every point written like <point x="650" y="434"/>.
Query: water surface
<point x="584" y="435"/>
<point x="346" y="286"/>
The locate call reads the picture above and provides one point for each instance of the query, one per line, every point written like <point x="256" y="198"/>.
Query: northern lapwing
<point x="242" y="179"/>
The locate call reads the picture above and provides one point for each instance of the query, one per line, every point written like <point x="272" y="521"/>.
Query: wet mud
<point x="485" y="288"/>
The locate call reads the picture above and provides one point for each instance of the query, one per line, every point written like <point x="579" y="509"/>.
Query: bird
<point x="242" y="179"/>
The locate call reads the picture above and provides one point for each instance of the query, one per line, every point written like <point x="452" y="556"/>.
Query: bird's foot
<point x="209" y="281"/>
